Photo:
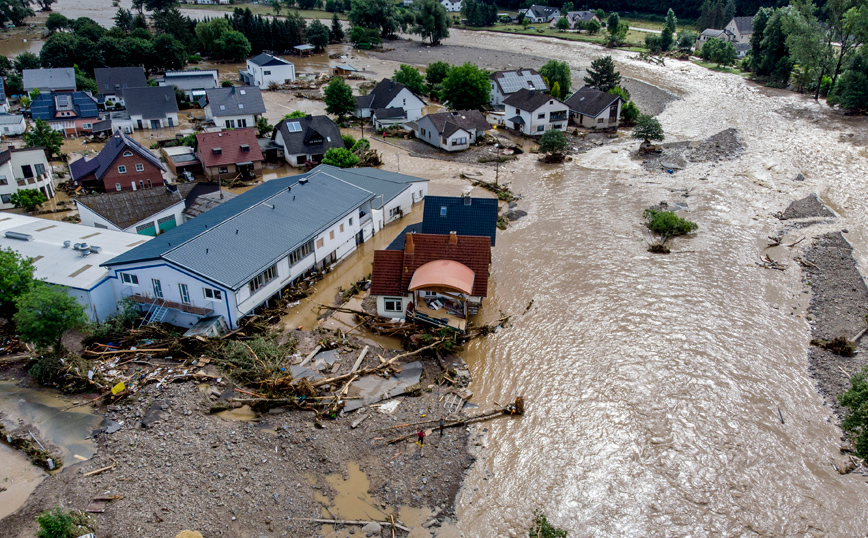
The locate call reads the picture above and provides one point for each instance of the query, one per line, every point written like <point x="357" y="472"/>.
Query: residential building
<point x="24" y="168"/>
<point x="71" y="113"/>
<point x="152" y="107"/>
<point x="452" y="6"/>
<point x="233" y="258"/>
<point x="306" y="139"/>
<point x="144" y="212"/>
<point x="229" y="154"/>
<point x="69" y="255"/>
<point x="389" y="94"/>
<point x="534" y="113"/>
<point x="384" y="118"/>
<point x="193" y="82"/>
<point x="436" y="279"/>
<point x="265" y="69"/>
<point x="342" y="70"/>
<point x="12" y="124"/>
<point x="452" y="131"/>
<point x="741" y="49"/>
<point x="460" y="214"/>
<point x="710" y="33"/>
<point x="594" y="109"/>
<point x="58" y="79"/>
<point x="537" y="14"/>
<point x="506" y="83"/>
<point x="231" y="108"/>
<point x="577" y="19"/>
<point x="122" y="164"/>
<point x="112" y="81"/>
<point x="181" y="159"/>
<point x="394" y="194"/>
<point x="4" y="97"/>
<point x="740" y="29"/>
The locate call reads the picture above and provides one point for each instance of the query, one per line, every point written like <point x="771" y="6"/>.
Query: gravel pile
<point x="723" y="146"/>
<point x="808" y="207"/>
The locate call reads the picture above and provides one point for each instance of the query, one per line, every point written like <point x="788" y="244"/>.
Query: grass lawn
<point x="264" y="9"/>
<point x="714" y="67"/>
<point x="633" y="37"/>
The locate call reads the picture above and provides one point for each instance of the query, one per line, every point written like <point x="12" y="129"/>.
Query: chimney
<point x="408" y="244"/>
<point x="453" y="238"/>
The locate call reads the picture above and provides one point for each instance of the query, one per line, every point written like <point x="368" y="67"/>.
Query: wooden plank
<point x="360" y="359"/>
<point x="358" y="421"/>
<point x="312" y="354"/>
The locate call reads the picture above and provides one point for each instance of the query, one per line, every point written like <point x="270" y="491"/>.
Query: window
<point x="141" y="184"/>
<point x="129" y="278"/>
<point x="212" y="294"/>
<point x="223" y="170"/>
<point x="263" y="278"/>
<point x="85" y="125"/>
<point x="541" y="116"/>
<point x="540" y="128"/>
<point x="158" y="288"/>
<point x="242" y="123"/>
<point x="600" y="120"/>
<point x="27" y="171"/>
<point x="147" y="227"/>
<point x="320" y="242"/>
<point x="421" y="194"/>
<point x="150" y="184"/>
<point x="443" y="211"/>
<point x="128" y="154"/>
<point x="98" y="225"/>
<point x="394" y="212"/>
<point x="300" y="253"/>
<point x="6" y="198"/>
<point x="122" y="169"/>
<point x="393" y="304"/>
<point x="140" y="167"/>
<point x="459" y="141"/>
<point x="40" y="169"/>
<point x="266" y="72"/>
<point x="331" y="235"/>
<point x="342" y="228"/>
<point x="117" y="186"/>
<point x="351" y="221"/>
<point x="423" y="131"/>
<point x="185" y="293"/>
<point x="3" y="180"/>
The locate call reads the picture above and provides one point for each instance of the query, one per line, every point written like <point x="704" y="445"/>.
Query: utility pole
<point x="497" y="164"/>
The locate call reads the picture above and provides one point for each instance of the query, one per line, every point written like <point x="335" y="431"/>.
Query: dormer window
<point x="217" y="151"/>
<point x="222" y="107"/>
<point x="240" y="105"/>
<point x="128" y="154"/>
<point x="245" y="147"/>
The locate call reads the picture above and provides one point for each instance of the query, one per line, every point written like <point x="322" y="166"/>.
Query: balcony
<point x="557" y="116"/>
<point x="186" y="308"/>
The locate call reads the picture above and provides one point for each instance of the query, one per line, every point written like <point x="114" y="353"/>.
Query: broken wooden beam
<point x="360" y="359"/>
<point x="311" y="355"/>
<point x="352" y="522"/>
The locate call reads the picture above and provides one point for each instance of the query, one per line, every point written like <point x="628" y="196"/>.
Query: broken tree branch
<point x="352" y="522"/>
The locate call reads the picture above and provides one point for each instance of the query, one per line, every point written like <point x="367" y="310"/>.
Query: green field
<point x="265" y="9"/>
<point x="633" y="37"/>
<point x="714" y="67"/>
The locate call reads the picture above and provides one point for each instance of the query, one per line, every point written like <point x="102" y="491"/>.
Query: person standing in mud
<point x="420" y="438"/>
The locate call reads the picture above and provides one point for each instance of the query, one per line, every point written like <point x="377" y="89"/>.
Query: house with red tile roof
<point x="436" y="279"/>
<point x="230" y="154"/>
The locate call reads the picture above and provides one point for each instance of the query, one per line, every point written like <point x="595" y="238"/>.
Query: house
<point x="384" y="118"/>
<point x="436" y="279"/>
<point x="69" y="255"/>
<point x="59" y="79"/>
<point x="594" y="109"/>
<point x="233" y="258"/>
<point x="180" y="159"/>
<point x="152" y="107"/>
<point x="452" y="131"/>
<point x="4" y="97"/>
<point x="710" y="33"/>
<point x="112" y="81"/>
<point x="24" y="168"/>
<point x="12" y="124"/>
<point x="193" y="82"/>
<point x="740" y="29"/>
<point x="389" y="94"/>
<point x="265" y="69"/>
<point x="506" y="83"/>
<point x="461" y="214"/>
<point x="741" y="49"/>
<point x="394" y="194"/>
<point x="231" y="108"/>
<point x="71" y="113"/>
<point x="342" y="70"/>
<point x="229" y="154"/>
<point x="539" y="14"/>
<point x="452" y="6"/>
<point x="144" y="212"/>
<point x="122" y="164"/>
<point x="306" y="139"/>
<point x="577" y="19"/>
<point x="534" y="113"/>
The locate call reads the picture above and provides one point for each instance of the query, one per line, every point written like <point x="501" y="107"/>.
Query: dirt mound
<point x="724" y="145"/>
<point x="808" y="207"/>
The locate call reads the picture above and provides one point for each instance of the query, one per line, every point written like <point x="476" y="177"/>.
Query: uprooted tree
<point x="856" y="421"/>
<point x="648" y="129"/>
<point x="665" y="225"/>
<point x="553" y="143"/>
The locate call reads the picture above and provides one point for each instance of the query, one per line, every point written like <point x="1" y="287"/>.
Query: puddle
<point x="18" y="479"/>
<point x="240" y="414"/>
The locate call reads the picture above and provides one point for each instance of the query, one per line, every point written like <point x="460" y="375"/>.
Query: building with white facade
<point x="537" y="13"/>
<point x="231" y="108"/>
<point x="534" y="113"/>
<point x="452" y="131"/>
<point x="152" y="107"/>
<point x="506" y="83"/>
<point x="451" y="6"/>
<point x="265" y="69"/>
<point x="12" y="124"/>
<point x="389" y="100"/>
<point x="24" y="168"/>
<point x="193" y="82"/>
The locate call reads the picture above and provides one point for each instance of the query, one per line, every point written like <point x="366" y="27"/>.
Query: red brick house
<point x="230" y="154"/>
<point x="122" y="165"/>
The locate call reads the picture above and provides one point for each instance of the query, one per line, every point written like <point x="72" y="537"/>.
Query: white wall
<point x="12" y="169"/>
<point x="381" y="306"/>
<point x="275" y="73"/>
<point x="146" y="123"/>
<point x="91" y="218"/>
<point x="532" y="120"/>
<point x="222" y="121"/>
<point x="12" y="129"/>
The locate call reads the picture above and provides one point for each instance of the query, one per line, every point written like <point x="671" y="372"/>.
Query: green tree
<point x="381" y="15"/>
<point x="686" y="40"/>
<point x="56" y="523"/>
<point x="411" y="78"/>
<point x="15" y="11"/>
<point x="851" y="91"/>
<point x="26" y="60"/>
<point x="123" y="20"/>
<point x="616" y="32"/>
<point x="340" y="157"/>
<point x="359" y="34"/>
<point x="555" y="71"/>
<point x="263" y="127"/>
<point x="160" y="5"/>
<point x="847" y="23"/>
<point x="563" y="24"/>
<point x="593" y="27"/>
<point x="648" y="129"/>
<point x="629" y="110"/>
<point x="5" y="66"/>
<point x="568" y="7"/>
<point x="276" y="6"/>
<point x="169" y="52"/>
<point x="602" y="74"/>
<point x="553" y="141"/>
<point x="349" y="141"/>
<point x="336" y="33"/>
<point x="600" y="13"/>
<point x="436" y="72"/>
<point x="209" y="32"/>
<point x="666" y="224"/>
<point x="56" y="22"/>
<point x="543" y="529"/>
<point x="771" y="55"/>
<point x="29" y="199"/>
<point x="466" y="87"/>
<point x="16" y="278"/>
<point x="666" y="38"/>
<point x="233" y="46"/>
<point x="653" y="42"/>
<point x="718" y="51"/>
<point x="44" y="313"/>
<point x="555" y="90"/>
<point x="671" y="21"/>
<point x="856" y="402"/>
<point x="431" y="21"/>
<point x="338" y="96"/>
<point x="295" y="114"/>
<point x="318" y="35"/>
<point x="59" y="50"/>
<point x="41" y="134"/>
<point x="87" y="28"/>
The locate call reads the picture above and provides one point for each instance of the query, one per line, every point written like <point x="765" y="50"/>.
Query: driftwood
<point x="143" y="350"/>
<point x="98" y="471"/>
<point x="375" y="369"/>
<point x="516" y="408"/>
<point x="352" y="522"/>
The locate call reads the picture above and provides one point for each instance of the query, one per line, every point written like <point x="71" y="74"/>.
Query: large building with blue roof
<point x="71" y="113"/>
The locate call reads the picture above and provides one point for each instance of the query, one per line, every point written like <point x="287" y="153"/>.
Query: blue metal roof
<point x="235" y="241"/>
<point x="446" y="214"/>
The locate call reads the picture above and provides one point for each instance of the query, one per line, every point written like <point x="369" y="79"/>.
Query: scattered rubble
<point x="723" y="146"/>
<point x="808" y="207"/>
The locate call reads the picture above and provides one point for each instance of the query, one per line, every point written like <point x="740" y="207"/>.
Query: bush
<point x="46" y="369"/>
<point x="59" y="523"/>
<point x="553" y="141"/>
<point x="116" y="327"/>
<point x="226" y="84"/>
<point x="667" y="223"/>
<point x="648" y="129"/>
<point x="856" y="421"/>
<point x="543" y="529"/>
<point x="349" y="141"/>
<point x="629" y="112"/>
<point x="340" y="157"/>
<point x="653" y="43"/>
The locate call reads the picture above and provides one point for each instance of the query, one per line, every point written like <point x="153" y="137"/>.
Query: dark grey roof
<point x="390" y="113"/>
<point x="237" y="240"/>
<point x="542" y="11"/>
<point x="386" y="185"/>
<point x="198" y="204"/>
<point x="235" y="101"/>
<point x="59" y="78"/>
<point x="104" y="159"/>
<point x="512" y="81"/>
<point x="713" y="32"/>
<point x="125" y="208"/>
<point x="302" y="139"/>
<point x="265" y="60"/>
<point x="583" y="16"/>
<point x="152" y="102"/>
<point x="381" y="95"/>
<point x="114" y="80"/>
<point x="479" y="217"/>
<point x="447" y="123"/>
<point x="528" y="100"/>
<point x="518" y="120"/>
<point x="190" y="80"/>
<point x="744" y="24"/>
<point x="590" y="102"/>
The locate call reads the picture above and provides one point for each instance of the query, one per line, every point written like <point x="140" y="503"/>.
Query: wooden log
<point x="141" y="350"/>
<point x="462" y="422"/>
<point x="351" y="522"/>
<point x="375" y="369"/>
<point x="98" y="471"/>
<point x="360" y="359"/>
<point x="311" y="355"/>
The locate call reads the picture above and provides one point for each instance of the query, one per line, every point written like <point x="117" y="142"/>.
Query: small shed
<point x="304" y="50"/>
<point x="343" y="70"/>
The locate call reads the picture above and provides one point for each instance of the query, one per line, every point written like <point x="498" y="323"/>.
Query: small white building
<point x="24" y="168"/>
<point x="594" y="109"/>
<point x="452" y="131"/>
<point x="534" y="113"/>
<point x="265" y="69"/>
<point x="151" y="107"/>
<point x="387" y="95"/>
<point x="233" y="108"/>
<point x="451" y="6"/>
<point x="306" y="139"/>
<point x="505" y="83"/>
<point x="539" y="14"/>
<point x="193" y="82"/>
<point x="12" y="124"/>
<point x="70" y="255"/>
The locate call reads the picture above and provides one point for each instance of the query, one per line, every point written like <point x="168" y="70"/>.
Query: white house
<point x="193" y="82"/>
<point x="112" y="81"/>
<point x="264" y="69"/>
<point x="389" y="95"/>
<point x="594" y="109"/>
<point x="452" y="131"/>
<point x="534" y="113"/>
<point x="740" y="29"/>
<point x="12" y="124"/>
<point x="24" y="168"/>
<point x="235" y="107"/>
<point x="232" y="259"/>
<point x="451" y="6"/>
<point x="505" y="83"/>
<point x="70" y="255"/>
<point x="539" y="14"/>
<point x="306" y="139"/>
<point x="151" y="107"/>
